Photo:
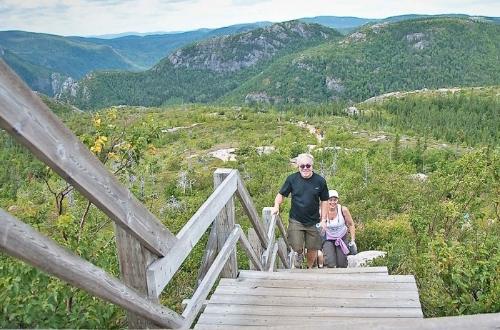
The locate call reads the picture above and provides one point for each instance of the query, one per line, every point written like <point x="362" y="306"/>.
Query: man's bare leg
<point x="311" y="257"/>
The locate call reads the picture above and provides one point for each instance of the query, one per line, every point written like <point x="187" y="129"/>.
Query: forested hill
<point x="42" y="55"/>
<point x="45" y="61"/>
<point x="407" y="55"/>
<point x="404" y="55"/>
<point x="201" y="72"/>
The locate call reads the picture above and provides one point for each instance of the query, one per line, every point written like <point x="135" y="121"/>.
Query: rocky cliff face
<point x="238" y="52"/>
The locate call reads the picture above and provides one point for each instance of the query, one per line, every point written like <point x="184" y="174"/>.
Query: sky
<point x="100" y="17"/>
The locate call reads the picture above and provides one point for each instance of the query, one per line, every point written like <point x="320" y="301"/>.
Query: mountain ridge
<point x="377" y="59"/>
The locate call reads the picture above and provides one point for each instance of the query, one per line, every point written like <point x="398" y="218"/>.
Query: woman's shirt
<point x="336" y="228"/>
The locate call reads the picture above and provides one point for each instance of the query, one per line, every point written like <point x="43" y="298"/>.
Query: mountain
<point x="343" y="24"/>
<point x="43" y="59"/>
<point x="384" y="57"/>
<point x="259" y="67"/>
<point x="146" y="51"/>
<point x="46" y="59"/>
<point x="201" y="72"/>
<point x="347" y="24"/>
<point x="62" y="54"/>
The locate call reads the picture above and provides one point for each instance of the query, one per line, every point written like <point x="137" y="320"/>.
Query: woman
<point x="338" y="220"/>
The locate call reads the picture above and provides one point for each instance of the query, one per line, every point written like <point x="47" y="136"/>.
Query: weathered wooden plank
<point x="30" y="122"/>
<point x="208" y="255"/>
<point x="272" y="260"/>
<point x="334" y="284"/>
<point x="23" y="242"/>
<point x="251" y="211"/>
<point x="245" y="244"/>
<point x="283" y="232"/>
<point x="270" y="225"/>
<point x="218" y="321"/>
<point x="366" y="293"/>
<point x="161" y="271"/>
<point x="312" y="311"/>
<point x="262" y="300"/>
<point x="196" y="302"/>
<point x="224" y="223"/>
<point x="282" y="252"/>
<point x="134" y="260"/>
<point x="249" y="274"/>
<point x="464" y="322"/>
<point x="254" y="241"/>
<point x="356" y="270"/>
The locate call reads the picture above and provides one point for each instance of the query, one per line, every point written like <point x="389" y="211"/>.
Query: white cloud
<point x="93" y="17"/>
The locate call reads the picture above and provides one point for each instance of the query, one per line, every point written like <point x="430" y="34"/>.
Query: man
<point x="308" y="190"/>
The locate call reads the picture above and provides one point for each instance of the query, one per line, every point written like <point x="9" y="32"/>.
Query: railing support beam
<point x="224" y="224"/>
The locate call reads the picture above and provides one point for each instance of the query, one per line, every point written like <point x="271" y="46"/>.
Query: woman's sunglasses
<point x="305" y="166"/>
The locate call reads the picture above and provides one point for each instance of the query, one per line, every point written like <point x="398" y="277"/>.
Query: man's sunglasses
<point x="305" y="166"/>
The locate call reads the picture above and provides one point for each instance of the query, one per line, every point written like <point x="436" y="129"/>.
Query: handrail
<point x="193" y="307"/>
<point x="21" y="241"/>
<point x="160" y="272"/>
<point x="251" y="212"/>
<point x="266" y="256"/>
<point x="24" y="116"/>
<point x="28" y="119"/>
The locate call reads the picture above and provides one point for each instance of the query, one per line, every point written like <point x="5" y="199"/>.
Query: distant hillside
<point x="45" y="61"/>
<point x="201" y="72"/>
<point x="342" y="24"/>
<point x="406" y="55"/>
<point x="457" y="115"/>
<point x="42" y="60"/>
<point x="146" y="51"/>
<point x="38" y="78"/>
<point x="346" y="24"/>
<point x="62" y="54"/>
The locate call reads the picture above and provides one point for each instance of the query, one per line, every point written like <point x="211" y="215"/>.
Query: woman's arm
<point x="349" y="222"/>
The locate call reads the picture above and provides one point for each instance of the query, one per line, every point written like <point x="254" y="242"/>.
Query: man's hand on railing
<point x="275" y="210"/>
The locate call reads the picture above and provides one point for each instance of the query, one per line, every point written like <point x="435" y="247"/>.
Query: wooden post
<point x="267" y="219"/>
<point x="282" y="250"/>
<point x="24" y="242"/>
<point x="224" y="223"/>
<point x="254" y="240"/>
<point x="209" y="254"/>
<point x="134" y="260"/>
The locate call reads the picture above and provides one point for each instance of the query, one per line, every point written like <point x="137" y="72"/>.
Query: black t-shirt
<point x="306" y="194"/>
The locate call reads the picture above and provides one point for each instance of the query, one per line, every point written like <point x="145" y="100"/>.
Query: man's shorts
<point x="300" y="235"/>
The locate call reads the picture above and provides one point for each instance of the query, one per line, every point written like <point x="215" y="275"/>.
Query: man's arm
<point x="324" y="211"/>
<point x="277" y="202"/>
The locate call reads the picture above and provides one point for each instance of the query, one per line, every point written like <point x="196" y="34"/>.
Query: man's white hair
<point x="305" y="157"/>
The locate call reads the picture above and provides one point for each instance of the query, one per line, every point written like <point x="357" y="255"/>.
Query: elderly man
<point x="308" y="189"/>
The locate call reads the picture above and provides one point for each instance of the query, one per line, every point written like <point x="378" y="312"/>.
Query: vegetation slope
<point x="400" y="56"/>
<point x="442" y="227"/>
<point x="201" y="72"/>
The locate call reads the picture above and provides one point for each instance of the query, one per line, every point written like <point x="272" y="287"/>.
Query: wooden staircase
<point x="355" y="297"/>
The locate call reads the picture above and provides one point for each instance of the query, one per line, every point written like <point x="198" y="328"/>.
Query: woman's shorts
<point x="300" y="235"/>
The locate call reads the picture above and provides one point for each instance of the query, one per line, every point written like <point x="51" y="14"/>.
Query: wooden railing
<point x="149" y="253"/>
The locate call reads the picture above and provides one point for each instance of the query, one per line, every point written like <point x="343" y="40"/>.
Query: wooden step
<point x="325" y="270"/>
<point x="312" y="311"/>
<point x="217" y="321"/>
<point x="319" y="285"/>
<point x="286" y="300"/>
<point x="464" y="322"/>
<point x="305" y="298"/>
<point x="308" y="276"/>
<point x="323" y="293"/>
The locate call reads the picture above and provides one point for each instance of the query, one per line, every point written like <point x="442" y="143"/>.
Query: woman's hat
<point x="333" y="193"/>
